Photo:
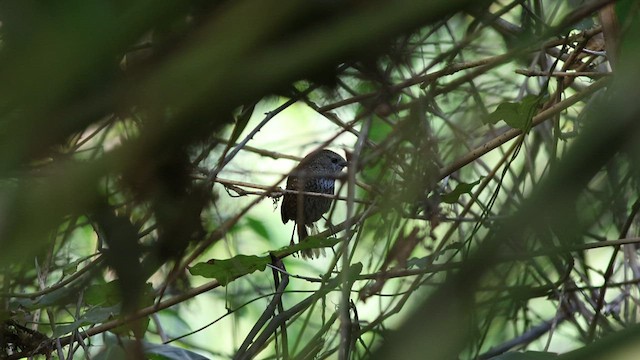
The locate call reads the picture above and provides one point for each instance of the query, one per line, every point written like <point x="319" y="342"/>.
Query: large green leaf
<point x="228" y="270"/>
<point x="225" y="271"/>
<point x="517" y="115"/>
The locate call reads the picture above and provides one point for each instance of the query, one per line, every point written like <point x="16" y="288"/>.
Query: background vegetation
<point x="489" y="208"/>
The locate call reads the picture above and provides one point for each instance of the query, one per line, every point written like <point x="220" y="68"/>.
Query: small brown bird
<point x="316" y="173"/>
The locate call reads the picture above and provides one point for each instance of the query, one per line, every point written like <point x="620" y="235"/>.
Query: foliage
<point x="489" y="209"/>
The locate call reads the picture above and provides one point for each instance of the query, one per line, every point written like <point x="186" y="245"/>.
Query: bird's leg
<point x="291" y="243"/>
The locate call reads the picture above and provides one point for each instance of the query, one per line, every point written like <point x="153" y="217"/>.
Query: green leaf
<point x="527" y="355"/>
<point x="241" y="123"/>
<point x="174" y="325"/>
<point x="311" y="242"/>
<point x="372" y="171"/>
<point x="63" y="295"/>
<point x="420" y="263"/>
<point x="517" y="115"/>
<point x="258" y="227"/>
<point x="118" y="350"/>
<point x="72" y="267"/>
<point x="103" y="294"/>
<point x="108" y="294"/>
<point x="93" y="316"/>
<point x="352" y="275"/>
<point x="157" y="351"/>
<point x="379" y="130"/>
<point x="461" y="188"/>
<point x="111" y="353"/>
<point x="225" y="271"/>
<point x="105" y="304"/>
<point x="624" y="10"/>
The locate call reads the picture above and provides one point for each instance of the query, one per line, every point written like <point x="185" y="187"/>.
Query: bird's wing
<point x="292" y="184"/>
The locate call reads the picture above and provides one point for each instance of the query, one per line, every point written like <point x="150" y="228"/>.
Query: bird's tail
<point x="306" y="253"/>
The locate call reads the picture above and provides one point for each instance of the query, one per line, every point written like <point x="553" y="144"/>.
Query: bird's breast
<point x="320" y="185"/>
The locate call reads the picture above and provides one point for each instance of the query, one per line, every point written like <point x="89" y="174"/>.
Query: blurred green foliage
<point x="111" y="122"/>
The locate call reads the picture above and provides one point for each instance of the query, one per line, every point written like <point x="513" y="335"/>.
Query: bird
<point x="317" y="172"/>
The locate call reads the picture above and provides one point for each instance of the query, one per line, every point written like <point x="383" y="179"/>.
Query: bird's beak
<point x="343" y="163"/>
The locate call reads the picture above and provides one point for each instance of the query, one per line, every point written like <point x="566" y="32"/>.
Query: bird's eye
<point x="334" y="160"/>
